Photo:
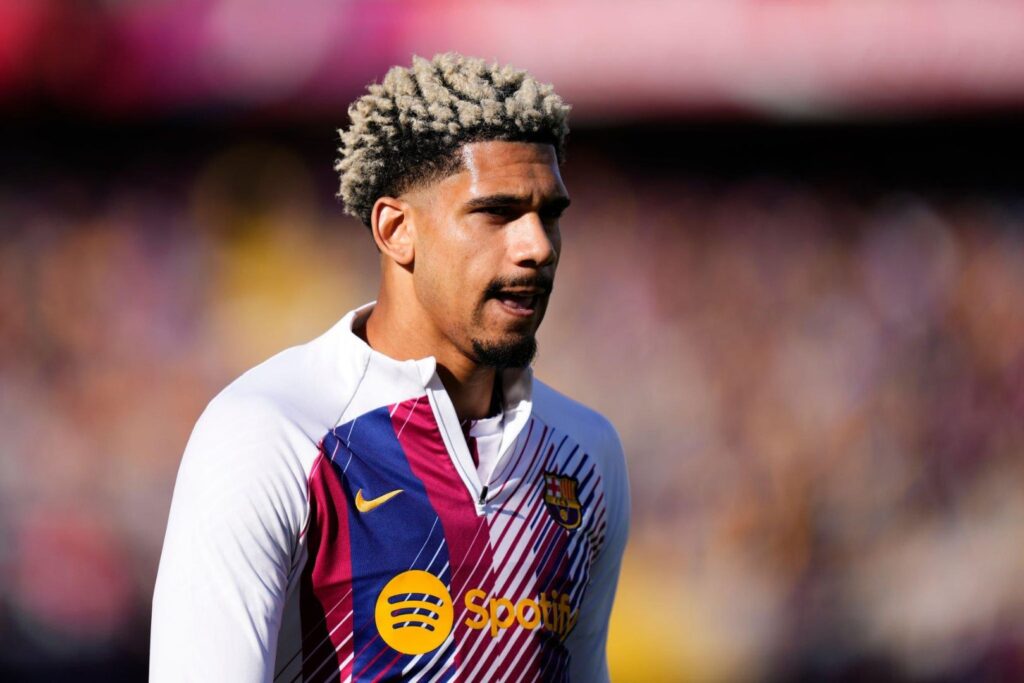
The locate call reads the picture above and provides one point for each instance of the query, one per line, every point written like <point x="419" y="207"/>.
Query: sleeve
<point x="238" y="504"/>
<point x="587" y="643"/>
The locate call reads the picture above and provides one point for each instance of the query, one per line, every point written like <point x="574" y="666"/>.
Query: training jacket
<point x="328" y="524"/>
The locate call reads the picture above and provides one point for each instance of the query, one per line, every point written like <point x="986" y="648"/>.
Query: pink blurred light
<point x="611" y="59"/>
<point x="21" y="25"/>
<point x="262" y="50"/>
<point x="785" y="57"/>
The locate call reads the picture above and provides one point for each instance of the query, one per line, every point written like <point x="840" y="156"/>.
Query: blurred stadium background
<point x="793" y="277"/>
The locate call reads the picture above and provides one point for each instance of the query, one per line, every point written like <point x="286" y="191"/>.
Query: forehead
<point x="500" y="167"/>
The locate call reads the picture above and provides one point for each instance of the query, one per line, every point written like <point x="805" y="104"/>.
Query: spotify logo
<point x="414" y="612"/>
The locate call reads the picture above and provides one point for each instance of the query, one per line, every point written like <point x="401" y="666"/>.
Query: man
<point x="399" y="499"/>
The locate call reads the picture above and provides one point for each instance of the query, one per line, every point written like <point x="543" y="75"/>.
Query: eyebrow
<point x="559" y="203"/>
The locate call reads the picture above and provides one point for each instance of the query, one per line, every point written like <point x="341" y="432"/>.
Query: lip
<point x="520" y="310"/>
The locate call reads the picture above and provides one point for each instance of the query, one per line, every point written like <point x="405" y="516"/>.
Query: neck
<point x="399" y="335"/>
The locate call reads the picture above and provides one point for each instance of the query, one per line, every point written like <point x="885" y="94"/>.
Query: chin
<point x="512" y="351"/>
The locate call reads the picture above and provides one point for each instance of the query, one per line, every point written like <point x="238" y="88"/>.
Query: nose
<point x="534" y="245"/>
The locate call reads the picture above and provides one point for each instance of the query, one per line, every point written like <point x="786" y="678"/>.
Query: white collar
<point x="516" y="383"/>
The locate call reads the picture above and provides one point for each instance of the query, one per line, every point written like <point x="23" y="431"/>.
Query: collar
<point x="516" y="383"/>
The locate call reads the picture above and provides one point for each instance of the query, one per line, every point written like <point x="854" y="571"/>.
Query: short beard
<point x="506" y="354"/>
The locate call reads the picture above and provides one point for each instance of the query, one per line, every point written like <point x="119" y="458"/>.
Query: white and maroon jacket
<point x="289" y="556"/>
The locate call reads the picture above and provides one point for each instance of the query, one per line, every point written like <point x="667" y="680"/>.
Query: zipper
<point x="458" y="452"/>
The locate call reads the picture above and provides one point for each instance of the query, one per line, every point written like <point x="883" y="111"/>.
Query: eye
<point x="498" y="211"/>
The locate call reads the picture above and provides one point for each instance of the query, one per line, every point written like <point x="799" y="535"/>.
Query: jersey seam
<point x="319" y="458"/>
<point x="355" y="390"/>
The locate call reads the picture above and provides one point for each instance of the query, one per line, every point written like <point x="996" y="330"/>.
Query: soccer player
<point x="400" y="499"/>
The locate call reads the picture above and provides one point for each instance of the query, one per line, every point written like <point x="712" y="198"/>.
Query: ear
<point x="393" y="230"/>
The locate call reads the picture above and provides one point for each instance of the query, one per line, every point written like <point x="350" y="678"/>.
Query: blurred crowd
<point x="821" y="398"/>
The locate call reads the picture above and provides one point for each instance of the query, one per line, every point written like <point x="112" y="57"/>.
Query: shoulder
<point x="306" y="386"/>
<point x="301" y="389"/>
<point x="592" y="430"/>
<point x="600" y="441"/>
<point x="269" y="421"/>
<point x="596" y="436"/>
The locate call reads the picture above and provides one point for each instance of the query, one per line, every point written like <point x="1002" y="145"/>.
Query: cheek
<point x="454" y="269"/>
<point x="556" y="242"/>
<point x="448" y="284"/>
<point x="469" y="265"/>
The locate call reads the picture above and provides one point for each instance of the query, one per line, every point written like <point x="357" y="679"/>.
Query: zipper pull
<point x="483" y="495"/>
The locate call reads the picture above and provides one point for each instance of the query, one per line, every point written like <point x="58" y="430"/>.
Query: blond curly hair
<point x="409" y="128"/>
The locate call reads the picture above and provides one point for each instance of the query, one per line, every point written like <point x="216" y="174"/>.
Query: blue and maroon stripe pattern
<point x="515" y="551"/>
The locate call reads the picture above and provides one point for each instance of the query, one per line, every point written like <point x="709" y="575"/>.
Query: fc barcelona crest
<point x="560" y="499"/>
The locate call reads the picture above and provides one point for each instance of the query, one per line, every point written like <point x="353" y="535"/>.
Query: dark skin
<point x="449" y="245"/>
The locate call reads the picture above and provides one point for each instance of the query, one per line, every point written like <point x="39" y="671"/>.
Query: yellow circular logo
<point x="414" y="612"/>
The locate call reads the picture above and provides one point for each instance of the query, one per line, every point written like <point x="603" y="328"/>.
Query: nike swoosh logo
<point x="364" y="505"/>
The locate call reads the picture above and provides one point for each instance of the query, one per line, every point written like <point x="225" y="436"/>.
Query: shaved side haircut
<point x="409" y="128"/>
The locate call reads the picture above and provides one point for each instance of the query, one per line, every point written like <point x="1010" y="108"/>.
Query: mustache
<point x="543" y="282"/>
